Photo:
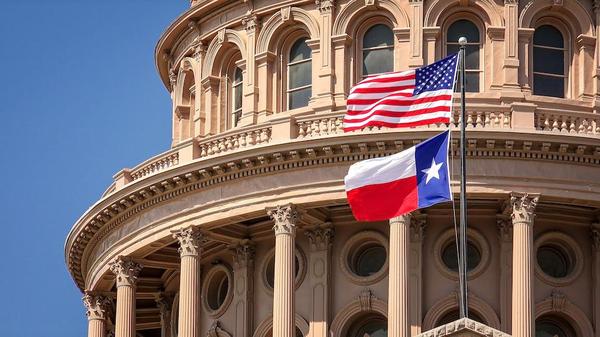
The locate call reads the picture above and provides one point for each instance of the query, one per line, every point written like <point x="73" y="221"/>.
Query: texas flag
<point x="383" y="188"/>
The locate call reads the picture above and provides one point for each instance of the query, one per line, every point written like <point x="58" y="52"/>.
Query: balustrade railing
<point x="568" y="122"/>
<point x="234" y="141"/>
<point x="155" y="165"/>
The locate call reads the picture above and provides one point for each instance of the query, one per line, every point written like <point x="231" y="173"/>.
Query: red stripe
<point x="375" y="100"/>
<point x="400" y="102"/>
<point x="399" y="125"/>
<point x="387" y="79"/>
<point x="409" y="113"/>
<point x="382" y="90"/>
<point x="384" y="201"/>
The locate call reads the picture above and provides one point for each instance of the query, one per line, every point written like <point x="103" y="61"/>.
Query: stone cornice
<point x="148" y="192"/>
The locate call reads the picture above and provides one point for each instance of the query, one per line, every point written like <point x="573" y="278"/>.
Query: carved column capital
<point x="97" y="306"/>
<point x="199" y="50"/>
<point x="321" y="237"/>
<point x="325" y="6"/>
<point x="596" y="6"/>
<point x="126" y="270"/>
<point x="418" y="225"/>
<point x="243" y="254"/>
<point x="595" y="233"/>
<point x="404" y="219"/>
<point x="163" y="303"/>
<point x="191" y="239"/>
<point x="511" y="2"/>
<point x="172" y="78"/>
<point x="250" y="23"/>
<point x="523" y="208"/>
<point x="286" y="218"/>
<point x="505" y="227"/>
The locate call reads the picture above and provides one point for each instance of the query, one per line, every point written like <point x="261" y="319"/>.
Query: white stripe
<point x="399" y="120"/>
<point x="379" y="95"/>
<point x="387" y="75"/>
<point x="399" y="109"/>
<point x="382" y="170"/>
<point x="383" y="85"/>
<point x="426" y="94"/>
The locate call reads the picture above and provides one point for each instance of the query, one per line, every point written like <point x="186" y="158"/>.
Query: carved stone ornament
<point x="366" y="300"/>
<point x="418" y="225"/>
<point x="558" y="301"/>
<point x="325" y="6"/>
<point x="243" y="254"/>
<point x="402" y="219"/>
<point x="214" y="330"/>
<point x="285" y="217"/>
<point x="595" y="232"/>
<point x="250" y="23"/>
<point x="596" y="5"/>
<point x="191" y="239"/>
<point x="511" y="2"/>
<point x="505" y="227"/>
<point x="163" y="303"/>
<point x="97" y="306"/>
<point x="126" y="270"/>
<point x="320" y="238"/>
<point x="523" y="208"/>
<point x="198" y="51"/>
<point x="172" y="78"/>
<point x="286" y="13"/>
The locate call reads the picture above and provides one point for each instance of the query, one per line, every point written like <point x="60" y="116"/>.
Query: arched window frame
<point x="235" y="62"/>
<point x="482" y="41"/>
<point x="284" y="56"/>
<point x="562" y="323"/>
<point x="360" y="34"/>
<point x="568" y="51"/>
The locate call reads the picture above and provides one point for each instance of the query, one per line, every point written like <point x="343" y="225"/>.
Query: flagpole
<point x="462" y="258"/>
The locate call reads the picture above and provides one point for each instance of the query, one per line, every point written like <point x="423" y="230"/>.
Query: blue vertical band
<point x="430" y="154"/>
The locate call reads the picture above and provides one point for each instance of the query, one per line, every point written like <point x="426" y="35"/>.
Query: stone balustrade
<point x="234" y="140"/>
<point x="568" y="122"/>
<point x="155" y="165"/>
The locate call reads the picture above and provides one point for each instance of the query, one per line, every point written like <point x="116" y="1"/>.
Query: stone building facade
<point x="242" y="228"/>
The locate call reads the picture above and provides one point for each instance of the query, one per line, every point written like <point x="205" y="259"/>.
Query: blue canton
<point x="436" y="76"/>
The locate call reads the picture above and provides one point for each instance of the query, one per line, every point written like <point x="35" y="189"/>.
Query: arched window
<point x="549" y="326"/>
<point x="299" y="70"/>
<point x="372" y="325"/>
<point x="377" y="50"/>
<point x="236" y="96"/>
<point x="549" y="55"/>
<point x="469" y="30"/>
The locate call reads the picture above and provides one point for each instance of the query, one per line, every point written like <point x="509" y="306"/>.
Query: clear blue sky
<point x="79" y="100"/>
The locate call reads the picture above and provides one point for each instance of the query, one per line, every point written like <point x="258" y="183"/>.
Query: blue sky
<point x="79" y="99"/>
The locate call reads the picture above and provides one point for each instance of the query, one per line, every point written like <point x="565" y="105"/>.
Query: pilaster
<point x="586" y="46"/>
<point x="522" y="215"/>
<point x="285" y="220"/>
<point x="323" y="88"/>
<point x="511" y="45"/>
<point x="596" y="71"/>
<point x="416" y="34"/>
<point x="163" y="302"/>
<point x="200" y="115"/>
<point x="595" y="237"/>
<point x="97" y="307"/>
<point x="191" y="240"/>
<point x="264" y="71"/>
<point x="525" y="67"/>
<point x="243" y="296"/>
<point x="126" y="272"/>
<point x="430" y="37"/>
<point x="418" y="226"/>
<point x="341" y="66"/>
<point x="250" y="90"/>
<point x="505" y="236"/>
<point x="398" y="302"/>
<point x="210" y="84"/>
<point x="320" y="239"/>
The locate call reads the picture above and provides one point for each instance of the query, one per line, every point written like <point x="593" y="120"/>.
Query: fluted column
<point x="163" y="302"/>
<point x="398" y="317"/>
<point x="505" y="234"/>
<point x="285" y="218"/>
<point x="126" y="272"/>
<point x="523" y="208"/>
<point x="595" y="233"/>
<point x="243" y="274"/>
<point x="190" y="240"/>
<point x="97" y="307"/>
<point x="319" y="267"/>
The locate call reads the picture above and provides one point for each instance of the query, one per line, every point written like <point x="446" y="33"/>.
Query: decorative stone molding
<point x="473" y="236"/>
<point x="559" y="303"/>
<point x="208" y="279"/>
<point x="450" y="302"/>
<point x="250" y="23"/>
<point x="320" y="238"/>
<point x="353" y="243"/>
<point x="243" y="254"/>
<point x="418" y="226"/>
<point x="365" y="302"/>
<point x="216" y="330"/>
<point x="125" y="270"/>
<point x="265" y="327"/>
<point x="523" y="208"/>
<point x="286" y="218"/>
<point x="163" y="303"/>
<point x="595" y="235"/>
<point x="570" y="247"/>
<point x="505" y="227"/>
<point x="191" y="240"/>
<point x="97" y="306"/>
<point x="464" y="327"/>
<point x="325" y="6"/>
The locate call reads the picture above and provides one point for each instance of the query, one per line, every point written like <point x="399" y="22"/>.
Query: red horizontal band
<point x="380" y="202"/>
<point x="444" y="120"/>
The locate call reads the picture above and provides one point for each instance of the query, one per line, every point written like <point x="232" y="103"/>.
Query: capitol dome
<point x="243" y="228"/>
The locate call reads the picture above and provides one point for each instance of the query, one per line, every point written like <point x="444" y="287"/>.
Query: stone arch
<point x="266" y="326"/>
<point x="439" y="9"/>
<point x="346" y="17"/>
<point x="572" y="11"/>
<point x="365" y="303"/>
<point x="441" y="307"/>
<point x="216" y="46"/>
<point x="187" y="65"/>
<point x="216" y="330"/>
<point x="559" y="305"/>
<point x="184" y="100"/>
<point x="286" y="16"/>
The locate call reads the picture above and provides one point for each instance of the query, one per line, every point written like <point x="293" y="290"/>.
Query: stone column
<point x="126" y="272"/>
<point x="511" y="45"/>
<point x="523" y="208"/>
<point x="505" y="233"/>
<point x="249" y="104"/>
<point x="163" y="302"/>
<point x="286" y="219"/>
<point x="323" y="86"/>
<point x="97" y="307"/>
<point x="199" y="119"/>
<point x="210" y="84"/>
<point x="320" y="239"/>
<point x="398" y="304"/>
<point x="190" y="240"/>
<point x="341" y="65"/>
<point x="243" y="274"/>
<point x="415" y="283"/>
<point x="596" y="72"/>
<point x="525" y="66"/>
<point x="595" y="232"/>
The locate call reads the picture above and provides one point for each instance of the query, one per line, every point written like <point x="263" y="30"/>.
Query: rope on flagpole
<point x="462" y="265"/>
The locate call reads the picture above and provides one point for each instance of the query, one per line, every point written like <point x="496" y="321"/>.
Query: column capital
<point x="250" y="23"/>
<point x="404" y="219"/>
<point x="522" y="208"/>
<point x="505" y="227"/>
<point x="163" y="303"/>
<point x="418" y="225"/>
<point x="286" y="218"/>
<point x="595" y="234"/>
<point x="126" y="270"/>
<point x="325" y="6"/>
<point x="320" y="237"/>
<point x="243" y="254"/>
<point x="97" y="306"/>
<point x="191" y="239"/>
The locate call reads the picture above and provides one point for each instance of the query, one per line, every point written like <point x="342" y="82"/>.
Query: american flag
<point x="404" y="99"/>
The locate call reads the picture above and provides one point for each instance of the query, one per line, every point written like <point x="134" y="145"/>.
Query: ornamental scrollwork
<point x="285" y="217"/>
<point x="243" y="254"/>
<point x="126" y="270"/>
<point x="523" y="208"/>
<point x="321" y="237"/>
<point x="191" y="239"/>
<point x="325" y="6"/>
<point x="97" y="306"/>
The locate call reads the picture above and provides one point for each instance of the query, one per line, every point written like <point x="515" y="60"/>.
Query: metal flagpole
<point x="462" y="258"/>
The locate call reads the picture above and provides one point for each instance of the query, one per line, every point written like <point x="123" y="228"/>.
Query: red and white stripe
<point x="387" y="100"/>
